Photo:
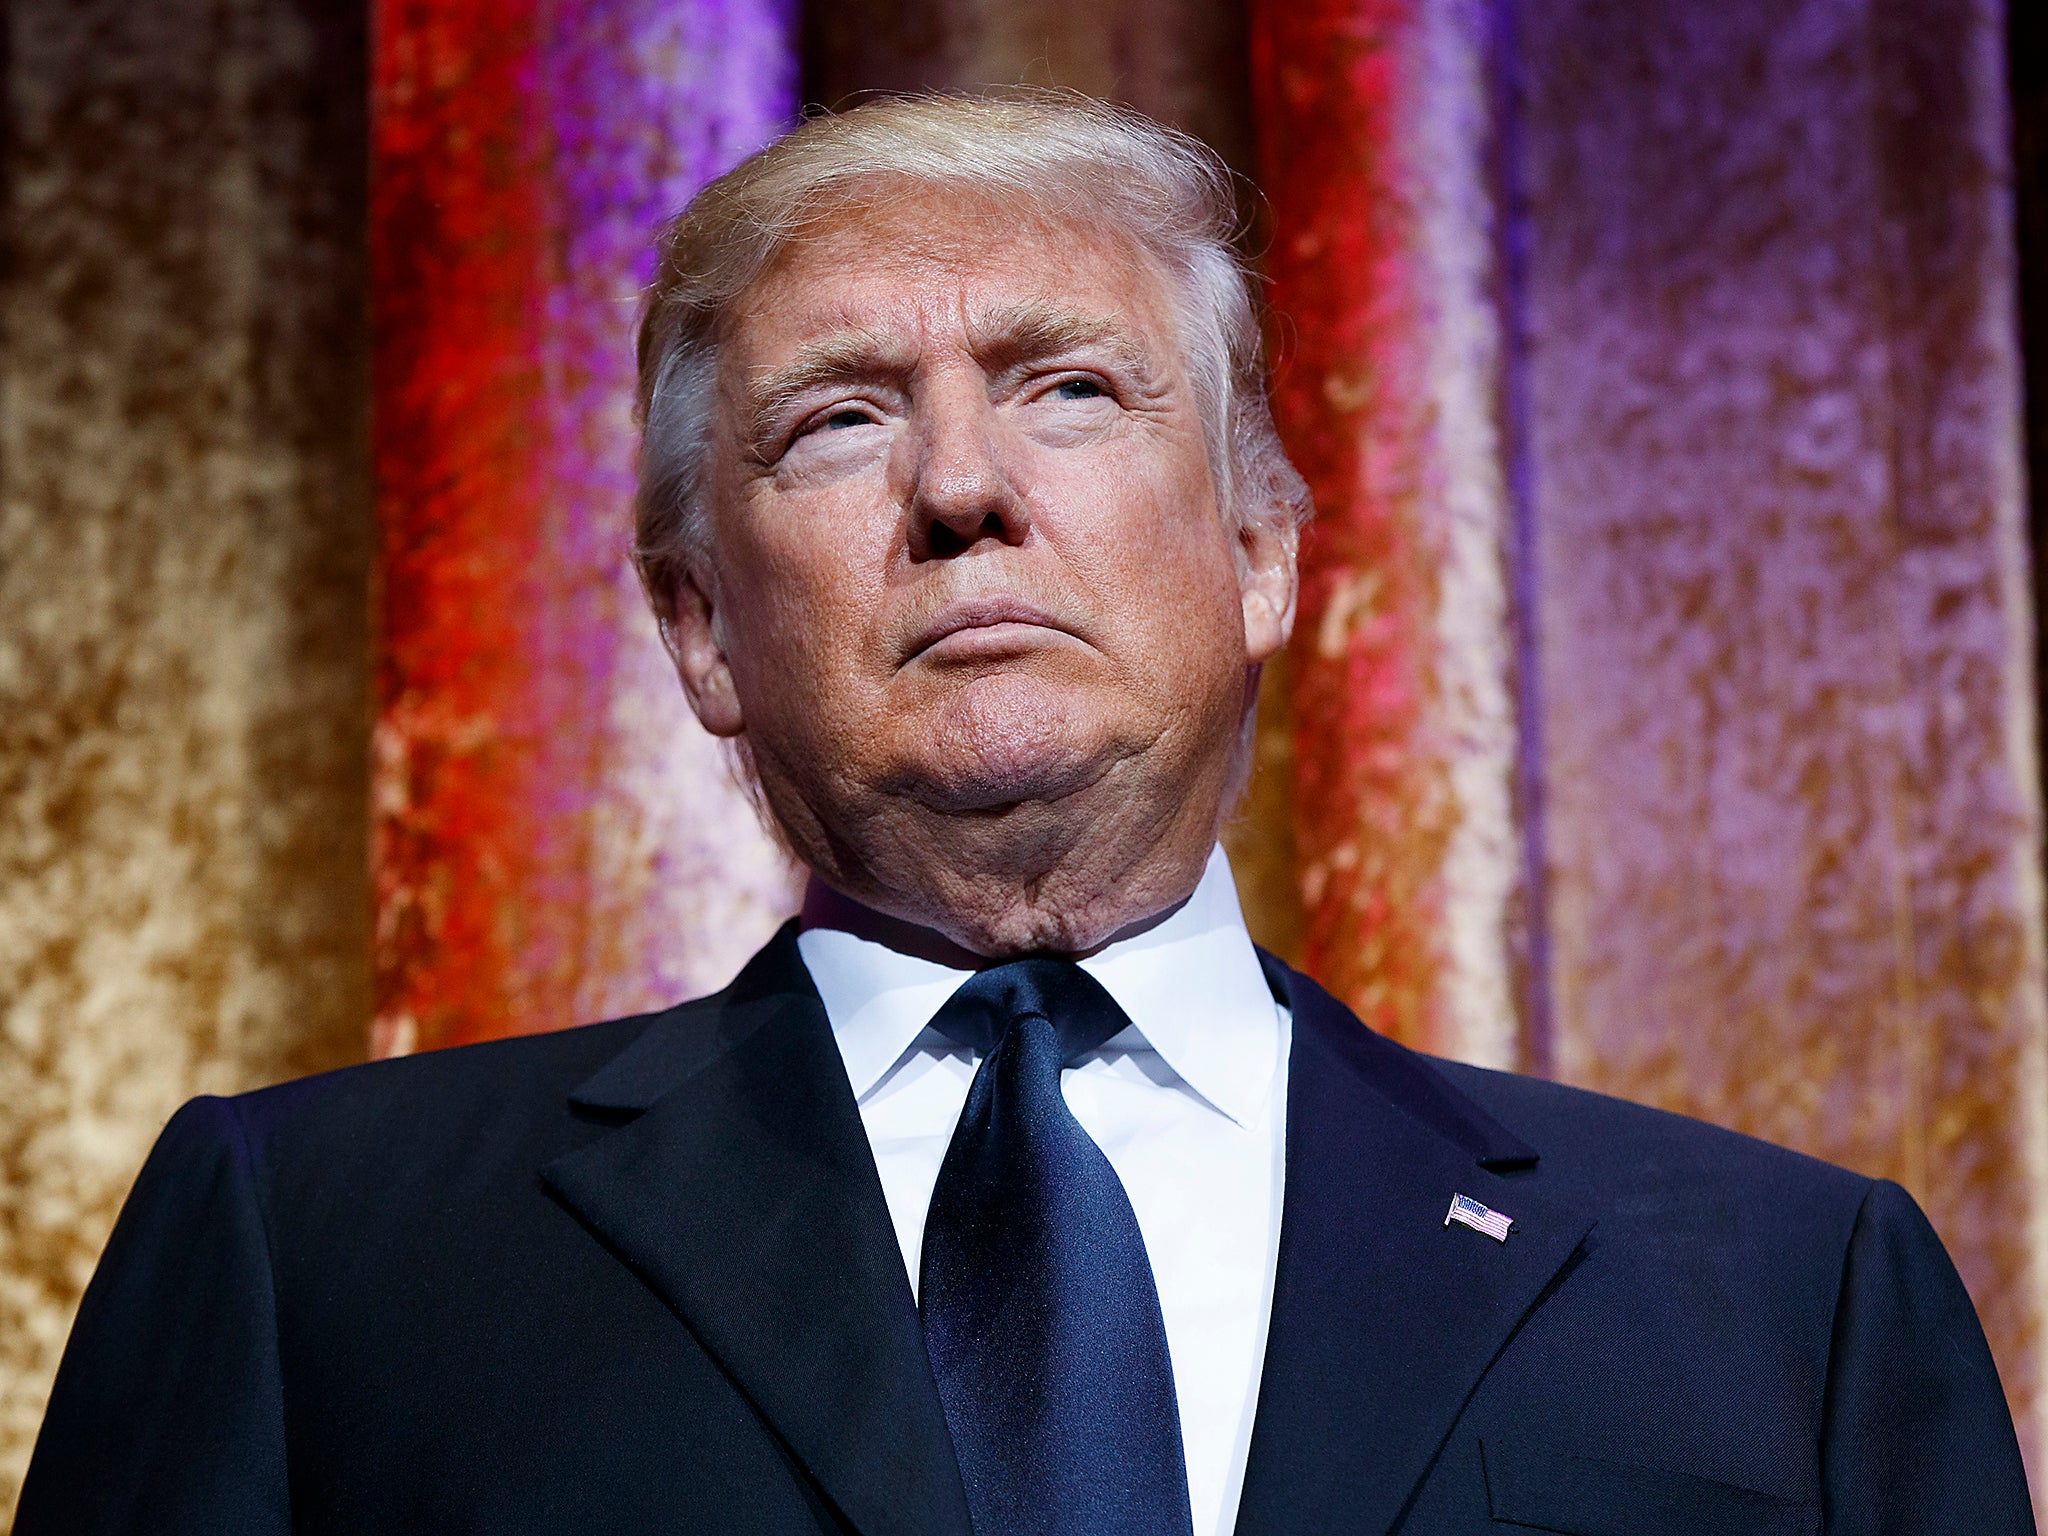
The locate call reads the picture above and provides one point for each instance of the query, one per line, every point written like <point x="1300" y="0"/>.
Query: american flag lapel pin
<point x="1467" y="1212"/>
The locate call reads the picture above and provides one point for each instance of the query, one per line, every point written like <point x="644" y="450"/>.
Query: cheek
<point x="1146" y="532"/>
<point x="811" y="598"/>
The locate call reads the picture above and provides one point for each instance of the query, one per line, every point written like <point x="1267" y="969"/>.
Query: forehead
<point x="928" y="261"/>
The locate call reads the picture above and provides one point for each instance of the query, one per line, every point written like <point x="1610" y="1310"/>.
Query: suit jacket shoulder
<point x="360" y="1302"/>
<point x="1684" y="1330"/>
<point x="1768" y="1313"/>
<point x="1635" y="1164"/>
<point x="420" y="1116"/>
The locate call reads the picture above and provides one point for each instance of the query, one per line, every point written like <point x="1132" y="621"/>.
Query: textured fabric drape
<point x="184" y="555"/>
<point x="1374" y="121"/>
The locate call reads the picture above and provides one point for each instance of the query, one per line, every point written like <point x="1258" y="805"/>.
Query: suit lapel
<point x="1384" y="1319"/>
<point x="742" y="1190"/>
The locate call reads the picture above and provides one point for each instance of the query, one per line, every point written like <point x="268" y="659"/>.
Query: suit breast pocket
<point x="1542" y="1489"/>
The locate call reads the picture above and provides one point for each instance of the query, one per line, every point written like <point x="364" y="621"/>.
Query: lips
<point x="983" y="614"/>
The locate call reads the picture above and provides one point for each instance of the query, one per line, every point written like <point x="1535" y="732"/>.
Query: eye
<point x="1078" y="389"/>
<point x="850" y="416"/>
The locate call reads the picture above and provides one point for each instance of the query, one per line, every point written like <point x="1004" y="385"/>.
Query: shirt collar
<point x="1191" y="985"/>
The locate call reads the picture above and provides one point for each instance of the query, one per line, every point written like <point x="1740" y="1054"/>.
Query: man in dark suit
<point x="1009" y="1189"/>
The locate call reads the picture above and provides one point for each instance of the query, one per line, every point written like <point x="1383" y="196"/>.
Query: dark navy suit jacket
<point x="640" y="1277"/>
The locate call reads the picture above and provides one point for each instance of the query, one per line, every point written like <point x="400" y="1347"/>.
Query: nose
<point x="961" y="494"/>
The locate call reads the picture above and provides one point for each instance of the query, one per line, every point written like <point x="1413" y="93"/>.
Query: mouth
<point x="985" y="628"/>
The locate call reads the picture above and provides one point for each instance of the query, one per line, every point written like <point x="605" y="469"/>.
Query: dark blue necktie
<point x="1039" y="1310"/>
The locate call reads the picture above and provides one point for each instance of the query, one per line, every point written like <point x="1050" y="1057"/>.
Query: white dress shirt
<point x="1189" y="1105"/>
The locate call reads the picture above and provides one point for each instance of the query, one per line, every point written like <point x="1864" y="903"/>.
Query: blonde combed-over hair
<point x="1055" y="154"/>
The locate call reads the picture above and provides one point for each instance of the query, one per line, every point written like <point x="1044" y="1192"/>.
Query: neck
<point x="1061" y="876"/>
<point x="1062" y="889"/>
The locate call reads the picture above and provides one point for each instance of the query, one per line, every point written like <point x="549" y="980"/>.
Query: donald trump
<point x="1009" y="1188"/>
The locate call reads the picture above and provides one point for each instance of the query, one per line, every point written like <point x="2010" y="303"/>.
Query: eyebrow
<point x="855" y="353"/>
<point x="1020" y="334"/>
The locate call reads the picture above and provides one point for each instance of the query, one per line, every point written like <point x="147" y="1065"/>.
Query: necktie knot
<point x="989" y="1003"/>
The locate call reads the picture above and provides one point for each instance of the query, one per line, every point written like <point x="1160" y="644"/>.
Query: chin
<point x="998" y="747"/>
<point x="1009" y="932"/>
<point x="995" y="781"/>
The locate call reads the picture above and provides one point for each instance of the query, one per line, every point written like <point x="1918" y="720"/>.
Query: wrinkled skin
<point x="973" y="605"/>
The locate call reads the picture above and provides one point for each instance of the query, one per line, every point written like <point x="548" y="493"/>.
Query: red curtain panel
<point x="555" y="839"/>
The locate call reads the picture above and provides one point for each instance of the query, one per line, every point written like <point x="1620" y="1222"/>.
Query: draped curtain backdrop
<point x="1661" y="716"/>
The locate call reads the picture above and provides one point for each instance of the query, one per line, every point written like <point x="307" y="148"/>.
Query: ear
<point x="1268" y="581"/>
<point x="691" y="632"/>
